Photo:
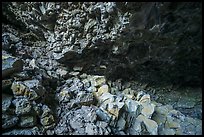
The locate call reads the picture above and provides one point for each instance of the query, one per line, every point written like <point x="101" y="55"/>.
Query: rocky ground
<point x="80" y="68"/>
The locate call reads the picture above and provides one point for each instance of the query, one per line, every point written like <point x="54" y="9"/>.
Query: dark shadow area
<point x="170" y="55"/>
<point x="162" y="44"/>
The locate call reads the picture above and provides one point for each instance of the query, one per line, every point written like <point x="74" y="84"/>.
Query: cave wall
<point x="156" y="42"/>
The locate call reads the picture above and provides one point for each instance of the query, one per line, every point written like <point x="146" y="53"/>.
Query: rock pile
<point x="21" y="107"/>
<point x="56" y="58"/>
<point x="122" y="114"/>
<point x="86" y="106"/>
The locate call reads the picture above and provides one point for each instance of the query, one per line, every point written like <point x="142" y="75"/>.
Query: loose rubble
<point x="10" y="65"/>
<point x="55" y="77"/>
<point x="98" y="112"/>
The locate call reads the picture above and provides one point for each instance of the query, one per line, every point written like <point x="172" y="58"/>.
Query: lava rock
<point x="64" y="95"/>
<point x="9" y="39"/>
<point x="92" y="89"/>
<point x="32" y="89"/>
<point x="129" y="93"/>
<point x="103" y="115"/>
<point x="10" y="65"/>
<point x="9" y="121"/>
<point x="18" y="88"/>
<point x="30" y="131"/>
<point x="91" y="129"/>
<point x="61" y="72"/>
<point x="74" y="121"/>
<point x="6" y="102"/>
<point x="76" y="68"/>
<point x="74" y="73"/>
<point x="104" y="128"/>
<point x="46" y="111"/>
<point x="121" y="123"/>
<point x="47" y="121"/>
<point x="21" y="76"/>
<point x="85" y="99"/>
<point x="115" y="40"/>
<point x="6" y="84"/>
<point x="115" y="107"/>
<point x="106" y="98"/>
<point x="46" y="118"/>
<point x="27" y="121"/>
<point x="23" y="106"/>
<point x="35" y="85"/>
<point x="131" y="106"/>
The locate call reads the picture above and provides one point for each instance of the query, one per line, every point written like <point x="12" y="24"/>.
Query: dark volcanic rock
<point x="10" y="65"/>
<point x="6" y="84"/>
<point x="85" y="99"/>
<point x="59" y="61"/>
<point x="6" y="102"/>
<point x="9" y="121"/>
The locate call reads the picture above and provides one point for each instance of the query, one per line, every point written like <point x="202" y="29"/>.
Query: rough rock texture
<point x="23" y="106"/>
<point x="31" y="131"/>
<point x="27" y="121"/>
<point x="32" y="89"/>
<point x="6" y="102"/>
<point x="108" y="30"/>
<point x="10" y="64"/>
<point x="92" y="68"/>
<point x="81" y="122"/>
<point x="9" y="121"/>
<point x="173" y="122"/>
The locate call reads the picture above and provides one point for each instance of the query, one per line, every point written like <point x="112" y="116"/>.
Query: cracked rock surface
<point x="101" y="68"/>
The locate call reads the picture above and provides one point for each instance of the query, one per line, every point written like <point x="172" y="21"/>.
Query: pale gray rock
<point x="104" y="116"/>
<point x="148" y="110"/>
<point x="91" y="89"/>
<point x="121" y="123"/>
<point x="151" y="125"/>
<point x="29" y="131"/>
<point x="73" y="122"/>
<point x="64" y="95"/>
<point x="23" y="106"/>
<point x="131" y="105"/>
<point x="86" y="83"/>
<point x="98" y="80"/>
<point x="67" y="29"/>
<point x="50" y="132"/>
<point x="167" y="131"/>
<point x="9" y="39"/>
<point x="46" y="111"/>
<point x="74" y="73"/>
<point x="37" y="108"/>
<point x="90" y="129"/>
